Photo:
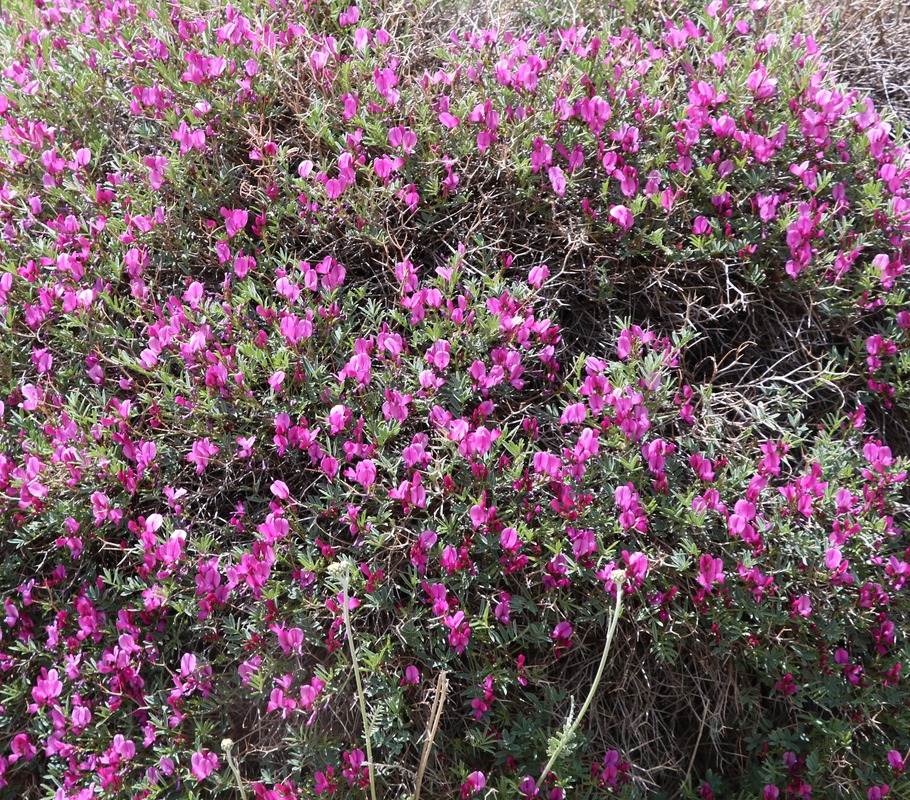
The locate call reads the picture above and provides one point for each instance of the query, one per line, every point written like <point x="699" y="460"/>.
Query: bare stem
<point x="432" y="726"/>
<point x="227" y="746"/>
<point x="570" y="732"/>
<point x="360" y="695"/>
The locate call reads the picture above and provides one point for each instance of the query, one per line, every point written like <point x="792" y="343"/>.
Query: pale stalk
<point x="567" y="735"/>
<point x="360" y="696"/>
<point x="227" y="746"/>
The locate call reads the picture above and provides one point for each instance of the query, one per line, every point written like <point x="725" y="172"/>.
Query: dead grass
<point x="866" y="42"/>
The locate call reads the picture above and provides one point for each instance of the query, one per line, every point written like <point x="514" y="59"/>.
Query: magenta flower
<point x="562" y="635"/>
<point x="189" y="138"/>
<point x="622" y="217"/>
<point x="503" y="610"/>
<point x="355" y="771"/>
<point x="475" y="782"/>
<point x="557" y="180"/>
<point x="334" y="188"/>
<point x="636" y="568"/>
<point x="310" y="692"/>
<point x="833" y="558"/>
<point x="203" y="763"/>
<point x="574" y="413"/>
<point x="802" y="606"/>
<point x="438" y="595"/>
<point x="291" y="641"/>
<point x="761" y="86"/>
<point x="448" y="120"/>
<point x="508" y="540"/>
<point x="459" y="631"/>
<point x="202" y="451"/>
<point x="280" y="490"/>
<point x="482" y="704"/>
<point x="339" y="417"/>
<point x="22" y="747"/>
<point x="538" y="275"/>
<point x="234" y="220"/>
<point x="404" y="138"/>
<point x="47" y="688"/>
<point x="384" y="166"/>
<point x="364" y="473"/>
<point x="711" y="571"/>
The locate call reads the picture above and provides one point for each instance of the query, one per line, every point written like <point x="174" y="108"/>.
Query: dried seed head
<point x="336" y="569"/>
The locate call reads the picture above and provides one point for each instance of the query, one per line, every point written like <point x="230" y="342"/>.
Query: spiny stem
<point x="567" y="735"/>
<point x="360" y="695"/>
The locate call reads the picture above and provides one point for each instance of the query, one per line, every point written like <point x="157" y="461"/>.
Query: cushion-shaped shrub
<point x="351" y="369"/>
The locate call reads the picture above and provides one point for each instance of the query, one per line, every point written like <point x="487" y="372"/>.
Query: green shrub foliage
<point x="354" y="358"/>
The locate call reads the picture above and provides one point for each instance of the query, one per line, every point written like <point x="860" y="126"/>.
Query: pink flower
<point x="622" y="217"/>
<point x="437" y="593"/>
<point x="802" y="606"/>
<point x="234" y="220"/>
<point x="562" y="635"/>
<point x="711" y="571"/>
<point x="503" y="610"/>
<point x="404" y="138"/>
<point x="557" y="180"/>
<point x="364" y="473"/>
<point x="833" y="558"/>
<point x="334" y="188"/>
<point x="475" y="782"/>
<point x="203" y="763"/>
<point x="538" y="275"/>
<point x="202" y="451"/>
<point x="31" y="397"/>
<point x="22" y="747"/>
<point x="448" y="120"/>
<point x="573" y="414"/>
<point x="310" y="692"/>
<point x="508" y="540"/>
<point x="459" y="631"/>
<point x="339" y="417"/>
<point x="761" y="86"/>
<point x="291" y="641"/>
<point x="636" y="568"/>
<point x="280" y="490"/>
<point x="189" y="138"/>
<point x="48" y="687"/>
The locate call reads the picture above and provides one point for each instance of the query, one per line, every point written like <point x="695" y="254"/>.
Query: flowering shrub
<point x="351" y="368"/>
